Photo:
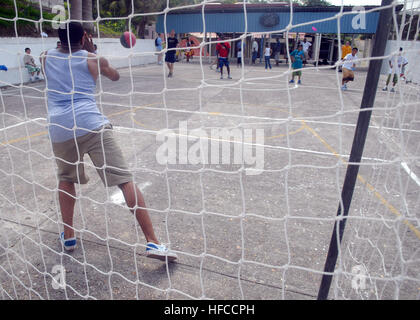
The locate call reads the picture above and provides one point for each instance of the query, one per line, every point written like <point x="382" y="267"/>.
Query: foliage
<point x="26" y="10"/>
<point x="316" y="3"/>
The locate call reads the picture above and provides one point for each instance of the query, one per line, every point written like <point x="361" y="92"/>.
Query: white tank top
<point x="71" y="94"/>
<point x="267" y="52"/>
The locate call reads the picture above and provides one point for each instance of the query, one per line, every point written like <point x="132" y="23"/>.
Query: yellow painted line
<point x="23" y="138"/>
<point x="388" y="205"/>
<point x="131" y="109"/>
<point x="302" y="127"/>
<point x="46" y="132"/>
<point x="142" y="124"/>
<point x="367" y="184"/>
<point x="331" y="149"/>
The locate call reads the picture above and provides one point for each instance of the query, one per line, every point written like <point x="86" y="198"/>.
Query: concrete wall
<point x="365" y="51"/>
<point x="12" y="51"/>
<point x="411" y="51"/>
<point x="48" y="3"/>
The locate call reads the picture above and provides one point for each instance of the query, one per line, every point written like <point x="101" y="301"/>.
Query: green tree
<point x="76" y="10"/>
<point x="124" y="8"/>
<point x="316" y="3"/>
<point x="82" y="11"/>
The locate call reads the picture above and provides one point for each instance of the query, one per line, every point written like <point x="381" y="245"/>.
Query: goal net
<point x="242" y="170"/>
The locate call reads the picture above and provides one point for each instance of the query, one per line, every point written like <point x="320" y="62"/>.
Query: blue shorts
<point x="223" y="62"/>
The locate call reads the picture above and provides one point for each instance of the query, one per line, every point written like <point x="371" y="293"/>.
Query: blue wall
<point x="235" y="22"/>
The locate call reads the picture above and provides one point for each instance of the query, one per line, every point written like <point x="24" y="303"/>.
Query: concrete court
<point x="262" y="236"/>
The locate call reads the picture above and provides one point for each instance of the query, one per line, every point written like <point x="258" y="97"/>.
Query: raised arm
<point x="104" y="68"/>
<point x="107" y="70"/>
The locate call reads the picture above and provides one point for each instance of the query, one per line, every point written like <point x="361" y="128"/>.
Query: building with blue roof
<point x="276" y="20"/>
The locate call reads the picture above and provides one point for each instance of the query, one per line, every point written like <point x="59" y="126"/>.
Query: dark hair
<point x="401" y="49"/>
<point x="26" y="49"/>
<point x="355" y="49"/>
<point x="76" y="33"/>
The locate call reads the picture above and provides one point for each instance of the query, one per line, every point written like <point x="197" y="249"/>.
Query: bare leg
<point x="134" y="198"/>
<point x="67" y="200"/>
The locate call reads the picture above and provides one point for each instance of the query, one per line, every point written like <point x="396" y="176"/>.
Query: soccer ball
<point x="128" y="39"/>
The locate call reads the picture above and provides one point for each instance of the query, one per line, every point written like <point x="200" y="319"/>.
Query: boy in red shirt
<point x="223" y="50"/>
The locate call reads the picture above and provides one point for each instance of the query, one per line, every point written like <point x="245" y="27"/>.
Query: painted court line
<point x="22" y="123"/>
<point x="371" y="188"/>
<point x="410" y="173"/>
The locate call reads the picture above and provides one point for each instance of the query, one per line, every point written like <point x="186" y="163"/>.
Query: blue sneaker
<point x="159" y="251"/>
<point x="292" y="81"/>
<point x="68" y="244"/>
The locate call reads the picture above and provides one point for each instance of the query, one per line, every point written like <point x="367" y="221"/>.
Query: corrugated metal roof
<point x="234" y="21"/>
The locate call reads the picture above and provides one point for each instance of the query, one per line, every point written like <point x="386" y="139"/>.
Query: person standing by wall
<point x="158" y="45"/>
<point x="254" y="50"/>
<point x="267" y="55"/>
<point x="170" y="56"/>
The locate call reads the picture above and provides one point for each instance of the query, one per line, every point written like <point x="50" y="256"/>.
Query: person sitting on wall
<point x="29" y="62"/>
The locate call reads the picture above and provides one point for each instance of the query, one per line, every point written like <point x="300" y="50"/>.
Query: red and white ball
<point x="128" y="39"/>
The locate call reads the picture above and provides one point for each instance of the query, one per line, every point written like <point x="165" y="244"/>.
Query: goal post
<point x="360" y="134"/>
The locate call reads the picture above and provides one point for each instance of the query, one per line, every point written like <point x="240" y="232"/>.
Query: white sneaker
<point x="385" y="89"/>
<point x="392" y="90"/>
<point x="344" y="88"/>
<point x="159" y="251"/>
<point x="221" y="77"/>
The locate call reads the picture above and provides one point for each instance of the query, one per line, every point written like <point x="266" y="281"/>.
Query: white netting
<point x="241" y="230"/>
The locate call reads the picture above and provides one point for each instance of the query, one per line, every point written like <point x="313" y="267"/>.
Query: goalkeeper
<point x="76" y="126"/>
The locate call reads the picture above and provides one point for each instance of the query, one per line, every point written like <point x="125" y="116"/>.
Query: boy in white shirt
<point x="400" y="62"/>
<point x="305" y="45"/>
<point x="348" y="68"/>
<point x="239" y="57"/>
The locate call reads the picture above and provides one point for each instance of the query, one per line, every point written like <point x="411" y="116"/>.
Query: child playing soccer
<point x="400" y="62"/>
<point x="297" y="56"/>
<point x="348" y="68"/>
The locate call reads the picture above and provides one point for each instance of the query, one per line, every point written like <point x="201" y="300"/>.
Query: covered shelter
<point x="276" y="20"/>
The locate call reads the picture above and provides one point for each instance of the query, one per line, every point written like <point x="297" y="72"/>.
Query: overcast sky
<point x="356" y="2"/>
<point x="369" y="2"/>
